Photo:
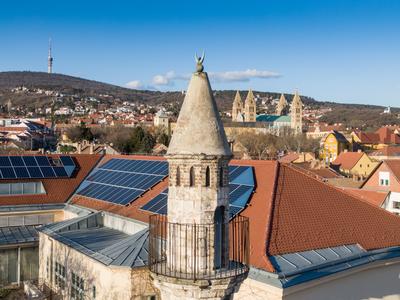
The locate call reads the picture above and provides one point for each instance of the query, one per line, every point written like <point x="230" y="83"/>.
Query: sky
<point x="343" y="50"/>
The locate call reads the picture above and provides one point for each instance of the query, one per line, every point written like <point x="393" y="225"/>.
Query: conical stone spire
<point x="237" y="107"/>
<point x="199" y="129"/>
<point x="282" y="104"/>
<point x="296" y="99"/>
<point x="250" y="107"/>
<point x="238" y="99"/>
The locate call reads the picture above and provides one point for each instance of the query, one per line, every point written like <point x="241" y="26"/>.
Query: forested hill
<point x="352" y="114"/>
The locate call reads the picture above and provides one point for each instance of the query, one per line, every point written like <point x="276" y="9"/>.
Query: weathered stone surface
<point x="199" y="129"/>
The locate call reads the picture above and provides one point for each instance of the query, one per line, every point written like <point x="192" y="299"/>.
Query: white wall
<point x="378" y="280"/>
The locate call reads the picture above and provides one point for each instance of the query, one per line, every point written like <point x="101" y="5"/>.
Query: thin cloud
<point x="241" y="76"/>
<point x="134" y="84"/>
<point x="169" y="78"/>
<point x="138" y="85"/>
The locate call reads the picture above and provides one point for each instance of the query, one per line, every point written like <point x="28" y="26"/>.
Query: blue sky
<point x="343" y="51"/>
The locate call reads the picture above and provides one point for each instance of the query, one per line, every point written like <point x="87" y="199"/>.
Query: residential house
<point x="376" y="140"/>
<point x="332" y="145"/>
<point x="386" y="178"/>
<point x="354" y="163"/>
<point x="296" y="158"/>
<point x="386" y="152"/>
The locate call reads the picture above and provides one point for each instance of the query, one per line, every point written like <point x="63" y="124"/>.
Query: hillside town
<point x="80" y="194"/>
<point x="269" y="170"/>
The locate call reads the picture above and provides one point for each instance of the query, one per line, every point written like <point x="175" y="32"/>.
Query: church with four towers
<point x="285" y="116"/>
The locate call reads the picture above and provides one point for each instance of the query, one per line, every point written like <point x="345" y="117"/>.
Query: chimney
<point x="79" y="146"/>
<point x="91" y="147"/>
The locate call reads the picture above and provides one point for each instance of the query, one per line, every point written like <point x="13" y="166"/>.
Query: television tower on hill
<point x="49" y="60"/>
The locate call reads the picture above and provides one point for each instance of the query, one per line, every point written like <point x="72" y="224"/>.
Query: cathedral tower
<point x="196" y="229"/>
<point x="250" y="108"/>
<point x="237" y="108"/>
<point x="49" y="60"/>
<point x="296" y="114"/>
<point x="281" y="108"/>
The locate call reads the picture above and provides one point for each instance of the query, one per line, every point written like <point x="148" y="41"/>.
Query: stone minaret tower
<point x="296" y="114"/>
<point x="281" y="109"/>
<point x="237" y="107"/>
<point x="250" y="108"/>
<point x="197" y="235"/>
<point x="49" y="60"/>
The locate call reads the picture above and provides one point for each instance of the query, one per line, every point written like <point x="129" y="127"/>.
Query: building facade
<point x="333" y="144"/>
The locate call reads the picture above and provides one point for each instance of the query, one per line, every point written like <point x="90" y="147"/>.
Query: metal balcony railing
<point x="198" y="251"/>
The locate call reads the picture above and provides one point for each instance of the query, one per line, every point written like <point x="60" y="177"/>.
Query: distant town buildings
<point x="354" y="164"/>
<point x="284" y="118"/>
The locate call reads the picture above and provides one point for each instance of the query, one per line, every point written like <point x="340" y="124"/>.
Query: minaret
<point x="296" y="114"/>
<point x="49" y="60"/>
<point x="237" y="107"/>
<point x="281" y="108"/>
<point x="196" y="230"/>
<point x="250" y="108"/>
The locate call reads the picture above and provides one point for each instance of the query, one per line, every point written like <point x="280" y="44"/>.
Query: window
<point x="396" y="205"/>
<point x="94" y="292"/>
<point x="360" y="165"/>
<point x="207" y="183"/>
<point x="22" y="188"/>
<point x="221" y="177"/>
<point x="178" y="176"/>
<point x="384" y="178"/>
<point x="77" y="287"/>
<point x="191" y="177"/>
<point x="59" y="272"/>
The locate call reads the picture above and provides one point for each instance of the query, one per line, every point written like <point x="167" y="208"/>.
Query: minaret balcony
<point x="198" y="251"/>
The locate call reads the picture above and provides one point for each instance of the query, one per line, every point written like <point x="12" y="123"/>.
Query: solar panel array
<point x="121" y="181"/>
<point x="241" y="186"/>
<point x="25" y="167"/>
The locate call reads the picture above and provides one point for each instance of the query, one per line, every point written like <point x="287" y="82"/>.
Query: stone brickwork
<point x="179" y="289"/>
<point x="197" y="231"/>
<point x="193" y="249"/>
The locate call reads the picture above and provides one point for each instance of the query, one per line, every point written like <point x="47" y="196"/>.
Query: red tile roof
<point x="374" y="197"/>
<point x="290" y="157"/>
<point x="57" y="190"/>
<point x="309" y="214"/>
<point x="289" y="211"/>
<point x="394" y="165"/>
<point x="347" y="160"/>
<point x="383" y="135"/>
<point x="320" y="173"/>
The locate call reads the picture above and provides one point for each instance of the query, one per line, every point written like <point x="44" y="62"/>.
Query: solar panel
<point x="17" y="161"/>
<point x="241" y="187"/>
<point x="42" y="161"/>
<point x="18" y="167"/>
<point x="121" y="181"/>
<point x="7" y="172"/>
<point x="4" y="161"/>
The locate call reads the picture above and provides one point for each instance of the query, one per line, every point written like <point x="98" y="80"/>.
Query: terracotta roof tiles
<point x="289" y="211"/>
<point x="347" y="160"/>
